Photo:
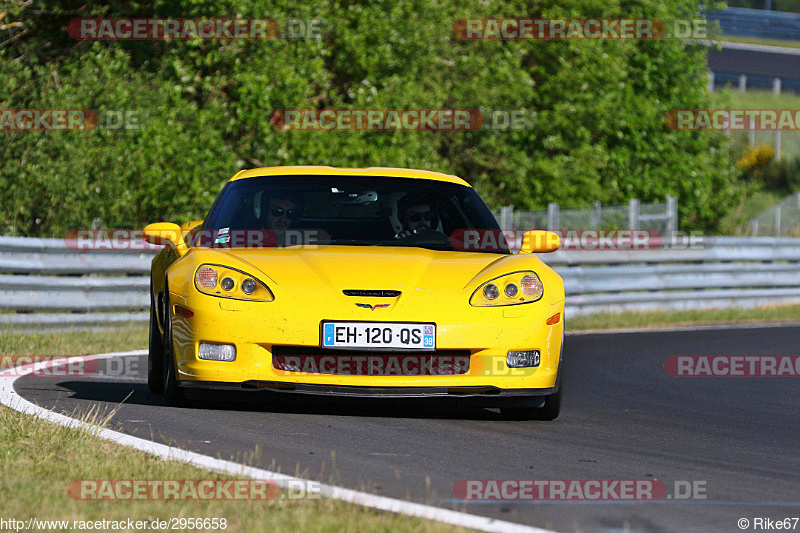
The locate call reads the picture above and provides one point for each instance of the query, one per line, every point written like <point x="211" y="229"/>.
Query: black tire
<point x="155" y="352"/>
<point x="173" y="394"/>
<point x="549" y="411"/>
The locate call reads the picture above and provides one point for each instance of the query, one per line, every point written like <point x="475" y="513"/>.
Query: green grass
<point x="632" y="320"/>
<point x="77" y="342"/>
<point x="752" y="99"/>
<point x="756" y="40"/>
<point x="750" y="205"/>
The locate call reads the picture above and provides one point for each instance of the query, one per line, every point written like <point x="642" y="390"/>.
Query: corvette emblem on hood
<point x="373" y="307"/>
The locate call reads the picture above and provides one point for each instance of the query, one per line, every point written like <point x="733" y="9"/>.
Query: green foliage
<point x="598" y="107"/>
<point x="782" y="177"/>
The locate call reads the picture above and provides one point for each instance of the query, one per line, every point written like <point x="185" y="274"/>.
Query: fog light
<point x="217" y="352"/>
<point x="522" y="359"/>
<point x="227" y="283"/>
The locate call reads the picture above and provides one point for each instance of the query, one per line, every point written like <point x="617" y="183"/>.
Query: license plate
<point x="378" y="335"/>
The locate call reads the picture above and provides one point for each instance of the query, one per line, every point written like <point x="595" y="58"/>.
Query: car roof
<point x="333" y="171"/>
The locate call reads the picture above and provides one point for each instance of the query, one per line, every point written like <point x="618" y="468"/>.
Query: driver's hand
<point x="404" y="234"/>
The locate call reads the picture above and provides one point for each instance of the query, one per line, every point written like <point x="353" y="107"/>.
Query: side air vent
<point x="372" y="293"/>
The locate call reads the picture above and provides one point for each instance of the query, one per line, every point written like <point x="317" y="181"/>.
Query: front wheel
<point x="172" y="393"/>
<point x="155" y="352"/>
<point x="550" y="410"/>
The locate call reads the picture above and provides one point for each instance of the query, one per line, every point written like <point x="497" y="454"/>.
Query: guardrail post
<point x="710" y="84"/>
<point x="778" y="220"/>
<point x="552" y="216"/>
<point x="777" y="145"/>
<point x="506" y="217"/>
<point x="798" y="212"/>
<point x="633" y="214"/>
<point x="742" y="82"/>
<point x="598" y="214"/>
<point x="672" y="215"/>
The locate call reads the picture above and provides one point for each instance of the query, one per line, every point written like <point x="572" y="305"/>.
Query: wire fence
<point x="780" y="220"/>
<point x="661" y="217"/>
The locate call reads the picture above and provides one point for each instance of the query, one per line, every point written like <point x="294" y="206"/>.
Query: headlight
<point x="235" y="284"/>
<point x="509" y="289"/>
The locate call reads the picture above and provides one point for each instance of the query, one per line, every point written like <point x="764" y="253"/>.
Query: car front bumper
<point x="484" y="334"/>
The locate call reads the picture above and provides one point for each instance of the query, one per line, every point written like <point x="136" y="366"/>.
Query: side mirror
<point x="539" y="242"/>
<point x="189" y="226"/>
<point x="164" y="234"/>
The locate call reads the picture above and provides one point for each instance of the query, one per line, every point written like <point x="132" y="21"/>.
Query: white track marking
<point x="9" y="397"/>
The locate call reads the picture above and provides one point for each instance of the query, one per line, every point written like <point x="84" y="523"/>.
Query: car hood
<point x="367" y="267"/>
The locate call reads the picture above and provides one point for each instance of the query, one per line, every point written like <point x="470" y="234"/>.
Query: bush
<point x="598" y="108"/>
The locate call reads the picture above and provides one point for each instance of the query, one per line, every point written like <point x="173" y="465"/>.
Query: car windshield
<point x="346" y="210"/>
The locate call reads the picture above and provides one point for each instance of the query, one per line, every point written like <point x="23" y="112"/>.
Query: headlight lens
<point x="511" y="290"/>
<point x="518" y="288"/>
<point x="491" y="292"/>
<point x="235" y="284"/>
<point x="248" y="286"/>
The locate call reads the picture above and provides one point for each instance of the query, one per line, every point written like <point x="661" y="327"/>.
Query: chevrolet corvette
<point x="377" y="282"/>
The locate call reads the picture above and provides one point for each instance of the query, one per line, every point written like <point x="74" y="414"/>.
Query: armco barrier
<point x="715" y="272"/>
<point x="44" y="283"/>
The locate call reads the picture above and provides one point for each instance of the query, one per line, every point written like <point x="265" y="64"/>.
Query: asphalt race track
<point x="623" y="417"/>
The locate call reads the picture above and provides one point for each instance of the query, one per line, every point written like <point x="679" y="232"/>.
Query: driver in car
<point x="416" y="214"/>
<point x="282" y="213"/>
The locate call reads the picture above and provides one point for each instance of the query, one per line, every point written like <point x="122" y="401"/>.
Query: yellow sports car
<point x="378" y="282"/>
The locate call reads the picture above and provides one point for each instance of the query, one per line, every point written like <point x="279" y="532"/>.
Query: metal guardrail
<point x="719" y="272"/>
<point x="43" y="283"/>
<point x="758" y="23"/>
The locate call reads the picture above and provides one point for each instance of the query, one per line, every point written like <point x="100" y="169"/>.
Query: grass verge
<point x="40" y="459"/>
<point x="761" y="99"/>
<point x="764" y="42"/>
